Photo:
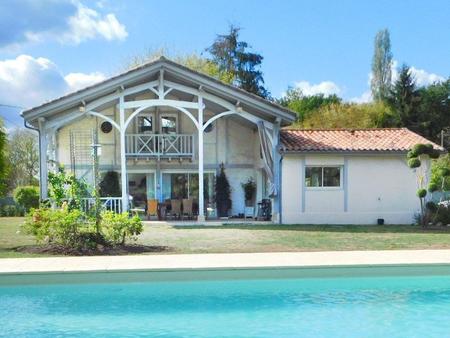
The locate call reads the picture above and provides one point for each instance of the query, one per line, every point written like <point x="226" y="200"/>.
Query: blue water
<point x="319" y="307"/>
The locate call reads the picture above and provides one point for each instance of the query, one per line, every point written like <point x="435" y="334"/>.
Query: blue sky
<point x="320" y="46"/>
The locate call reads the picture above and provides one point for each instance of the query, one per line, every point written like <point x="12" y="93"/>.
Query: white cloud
<point x="364" y="98"/>
<point x="87" y="24"/>
<point x="77" y="81"/>
<point x="65" y="21"/>
<point x="27" y="81"/>
<point x="325" y="87"/>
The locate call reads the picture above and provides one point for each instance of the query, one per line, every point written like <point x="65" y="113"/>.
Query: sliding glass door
<point x="185" y="185"/>
<point x="141" y="188"/>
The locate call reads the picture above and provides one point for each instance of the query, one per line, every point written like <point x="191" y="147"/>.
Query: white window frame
<point x="145" y="114"/>
<point x="161" y="115"/>
<point x="322" y="187"/>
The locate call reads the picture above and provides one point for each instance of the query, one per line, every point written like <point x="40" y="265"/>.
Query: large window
<point x="169" y="124"/>
<point x="327" y="177"/>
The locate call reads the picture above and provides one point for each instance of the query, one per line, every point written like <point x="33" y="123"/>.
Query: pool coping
<point x="223" y="261"/>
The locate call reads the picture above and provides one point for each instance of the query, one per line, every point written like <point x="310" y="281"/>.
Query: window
<point x="145" y="124"/>
<point x="327" y="177"/>
<point x="169" y="124"/>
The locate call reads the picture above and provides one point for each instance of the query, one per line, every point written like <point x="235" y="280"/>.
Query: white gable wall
<point x="376" y="186"/>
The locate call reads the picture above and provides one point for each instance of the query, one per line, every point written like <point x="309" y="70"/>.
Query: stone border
<point x="10" y="266"/>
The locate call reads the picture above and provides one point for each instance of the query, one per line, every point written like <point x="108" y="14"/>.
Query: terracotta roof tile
<point x="350" y="140"/>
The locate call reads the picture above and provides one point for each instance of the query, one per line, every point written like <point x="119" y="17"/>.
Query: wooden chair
<point x="152" y="208"/>
<point x="176" y="208"/>
<point x="188" y="207"/>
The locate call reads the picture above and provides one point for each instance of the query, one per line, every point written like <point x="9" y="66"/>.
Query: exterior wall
<point x="232" y="141"/>
<point x="378" y="186"/>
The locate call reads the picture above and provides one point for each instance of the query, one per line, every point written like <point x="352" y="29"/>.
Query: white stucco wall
<point x="377" y="186"/>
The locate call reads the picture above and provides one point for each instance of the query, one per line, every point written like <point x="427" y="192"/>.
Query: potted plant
<point x="249" y="188"/>
<point x="223" y="191"/>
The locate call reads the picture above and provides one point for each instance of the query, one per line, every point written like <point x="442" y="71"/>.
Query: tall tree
<point x="23" y="157"/>
<point x="381" y="66"/>
<point x="233" y="56"/>
<point x="3" y="159"/>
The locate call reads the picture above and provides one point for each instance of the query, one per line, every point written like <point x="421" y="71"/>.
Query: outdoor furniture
<point x="152" y="208"/>
<point x="176" y="208"/>
<point x="188" y="210"/>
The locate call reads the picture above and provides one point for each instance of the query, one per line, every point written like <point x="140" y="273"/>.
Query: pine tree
<point x="232" y="56"/>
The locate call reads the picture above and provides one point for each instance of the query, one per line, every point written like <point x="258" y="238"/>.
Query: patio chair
<point x="188" y="207"/>
<point x="176" y="208"/>
<point x="152" y="208"/>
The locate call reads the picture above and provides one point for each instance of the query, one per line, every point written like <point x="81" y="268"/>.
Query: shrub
<point x="411" y="154"/>
<point x="109" y="186"/>
<point x="431" y="206"/>
<point x="421" y="193"/>
<point x="432" y="187"/>
<point x="414" y="163"/>
<point x="27" y="197"/>
<point x="420" y="149"/>
<point x="434" y="154"/>
<point x="11" y="210"/>
<point x="118" y="227"/>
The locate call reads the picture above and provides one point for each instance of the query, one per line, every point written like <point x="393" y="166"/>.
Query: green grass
<point x="261" y="238"/>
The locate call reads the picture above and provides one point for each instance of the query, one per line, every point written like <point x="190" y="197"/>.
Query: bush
<point x="27" y="197"/>
<point x="118" y="227"/>
<point x="11" y="210"/>
<point x="60" y="226"/>
<point x="414" y="163"/>
<point x="420" y="149"/>
<point x="432" y="187"/>
<point x="421" y="193"/>
<point x="109" y="186"/>
<point x="411" y="154"/>
<point x="434" y="154"/>
<point x="431" y="206"/>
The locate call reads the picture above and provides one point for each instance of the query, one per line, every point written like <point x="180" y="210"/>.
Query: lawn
<point x="260" y="238"/>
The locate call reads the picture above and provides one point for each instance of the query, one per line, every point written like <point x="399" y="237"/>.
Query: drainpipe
<point x="280" y="189"/>
<point x="39" y="138"/>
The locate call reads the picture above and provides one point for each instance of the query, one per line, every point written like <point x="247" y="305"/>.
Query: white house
<point x="166" y="129"/>
<point x="348" y="176"/>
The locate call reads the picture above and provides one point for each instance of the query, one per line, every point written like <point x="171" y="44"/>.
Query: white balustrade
<point x="159" y="145"/>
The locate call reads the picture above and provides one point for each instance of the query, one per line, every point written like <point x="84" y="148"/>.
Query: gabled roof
<point x="130" y="77"/>
<point x="350" y="140"/>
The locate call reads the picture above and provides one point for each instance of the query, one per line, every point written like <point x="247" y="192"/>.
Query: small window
<point x="323" y="177"/>
<point x="168" y="124"/>
<point x="145" y="124"/>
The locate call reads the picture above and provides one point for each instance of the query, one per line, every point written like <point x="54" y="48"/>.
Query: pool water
<point x="401" y="306"/>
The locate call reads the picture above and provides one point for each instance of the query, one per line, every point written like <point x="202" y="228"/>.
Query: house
<point x="348" y="176"/>
<point x="166" y="130"/>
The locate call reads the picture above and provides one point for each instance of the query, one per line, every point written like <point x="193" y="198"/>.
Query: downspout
<point x="39" y="138"/>
<point x="280" y="188"/>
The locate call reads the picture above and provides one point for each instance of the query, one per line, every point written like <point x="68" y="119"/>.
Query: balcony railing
<point x="159" y="145"/>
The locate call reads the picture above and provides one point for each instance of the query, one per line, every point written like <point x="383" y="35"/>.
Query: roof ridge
<point x="343" y="129"/>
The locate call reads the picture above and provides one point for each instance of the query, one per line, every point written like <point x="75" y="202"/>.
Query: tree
<point x="350" y="115"/>
<point x="109" y="186"/>
<point x="23" y="156"/>
<point x="3" y="159"/>
<point x="381" y="66"/>
<point x="193" y="61"/>
<point x="223" y="191"/>
<point x="404" y="98"/>
<point x="232" y="56"/>
<point x="306" y="105"/>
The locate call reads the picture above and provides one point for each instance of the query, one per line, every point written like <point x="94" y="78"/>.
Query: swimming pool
<point x="338" y="302"/>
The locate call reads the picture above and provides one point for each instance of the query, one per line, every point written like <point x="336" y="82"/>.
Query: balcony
<point x="159" y="145"/>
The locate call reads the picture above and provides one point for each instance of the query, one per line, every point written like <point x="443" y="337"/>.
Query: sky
<point x="50" y="47"/>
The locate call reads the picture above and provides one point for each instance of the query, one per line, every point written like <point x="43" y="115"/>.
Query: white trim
<point x="169" y="114"/>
